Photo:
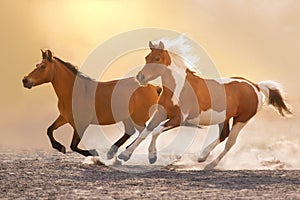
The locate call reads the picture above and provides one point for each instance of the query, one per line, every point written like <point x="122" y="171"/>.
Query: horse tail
<point x="275" y="96"/>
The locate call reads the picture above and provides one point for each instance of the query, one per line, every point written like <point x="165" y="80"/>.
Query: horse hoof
<point x="112" y="151"/>
<point x="152" y="158"/>
<point x="93" y="152"/>
<point x="124" y="156"/>
<point x="210" y="166"/>
<point x="201" y="159"/>
<point x="63" y="149"/>
<point x="117" y="163"/>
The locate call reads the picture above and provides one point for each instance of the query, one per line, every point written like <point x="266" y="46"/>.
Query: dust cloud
<point x="258" y="40"/>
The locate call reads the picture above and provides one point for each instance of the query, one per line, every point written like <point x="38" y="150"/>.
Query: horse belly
<point x="208" y="117"/>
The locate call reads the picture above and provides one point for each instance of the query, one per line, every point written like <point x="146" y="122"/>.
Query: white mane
<point x="180" y="50"/>
<point x="182" y="47"/>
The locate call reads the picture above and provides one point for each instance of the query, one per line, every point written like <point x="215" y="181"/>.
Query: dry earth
<point x="51" y="175"/>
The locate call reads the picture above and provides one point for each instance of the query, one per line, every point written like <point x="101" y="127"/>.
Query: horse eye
<point x="43" y="66"/>
<point x="157" y="59"/>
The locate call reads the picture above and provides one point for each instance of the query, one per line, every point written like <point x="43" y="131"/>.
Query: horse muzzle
<point x="27" y="83"/>
<point x="141" y="79"/>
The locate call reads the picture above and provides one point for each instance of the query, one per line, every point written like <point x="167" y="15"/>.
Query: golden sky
<point x="259" y="40"/>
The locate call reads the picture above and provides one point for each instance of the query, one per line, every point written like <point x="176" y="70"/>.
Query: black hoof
<point x="152" y="159"/>
<point x="93" y="152"/>
<point x="112" y="151"/>
<point x="200" y="160"/>
<point x="124" y="156"/>
<point x="87" y="153"/>
<point x="63" y="149"/>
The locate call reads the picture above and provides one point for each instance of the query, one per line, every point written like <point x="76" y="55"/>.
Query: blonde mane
<point x="180" y="50"/>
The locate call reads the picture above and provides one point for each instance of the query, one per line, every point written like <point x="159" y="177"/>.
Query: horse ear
<point x="161" y="45"/>
<point x="151" y="45"/>
<point x="43" y="54"/>
<point x="49" y="55"/>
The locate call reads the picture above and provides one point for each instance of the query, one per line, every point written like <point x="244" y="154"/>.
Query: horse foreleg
<point x="236" y="128"/>
<point x="172" y="123"/>
<point x="129" y="131"/>
<point x="56" y="124"/>
<point x="155" y="121"/>
<point x="74" y="145"/>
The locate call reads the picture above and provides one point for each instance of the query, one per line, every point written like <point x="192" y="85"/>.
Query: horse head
<point x="43" y="72"/>
<point x="156" y="62"/>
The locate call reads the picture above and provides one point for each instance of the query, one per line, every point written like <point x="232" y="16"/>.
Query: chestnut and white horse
<point x="188" y="98"/>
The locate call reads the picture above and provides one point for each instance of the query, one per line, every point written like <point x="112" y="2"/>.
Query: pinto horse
<point x="188" y="98"/>
<point x="92" y="109"/>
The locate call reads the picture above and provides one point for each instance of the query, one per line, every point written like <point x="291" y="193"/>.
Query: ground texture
<point x="50" y="175"/>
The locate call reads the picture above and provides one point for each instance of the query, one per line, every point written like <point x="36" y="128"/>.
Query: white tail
<point x="275" y="96"/>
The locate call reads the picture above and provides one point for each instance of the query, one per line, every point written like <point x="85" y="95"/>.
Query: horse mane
<point x="181" y="48"/>
<point x="73" y="69"/>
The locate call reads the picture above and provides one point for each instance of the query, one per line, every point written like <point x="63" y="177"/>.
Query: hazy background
<point x="256" y="39"/>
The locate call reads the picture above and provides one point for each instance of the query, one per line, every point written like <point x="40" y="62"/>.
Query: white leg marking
<point x="152" y="147"/>
<point x="207" y="150"/>
<point x="136" y="143"/>
<point x="125" y="155"/>
<point x="230" y="142"/>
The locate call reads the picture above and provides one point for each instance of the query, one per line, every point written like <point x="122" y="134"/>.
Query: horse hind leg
<point x="56" y="124"/>
<point x="223" y="134"/>
<point x="74" y="145"/>
<point x="205" y="153"/>
<point x="236" y="128"/>
<point x="129" y="131"/>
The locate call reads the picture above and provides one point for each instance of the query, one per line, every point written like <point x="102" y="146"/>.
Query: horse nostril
<point x="25" y="80"/>
<point x="140" y="77"/>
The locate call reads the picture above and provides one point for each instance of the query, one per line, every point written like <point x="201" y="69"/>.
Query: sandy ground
<point x="51" y="175"/>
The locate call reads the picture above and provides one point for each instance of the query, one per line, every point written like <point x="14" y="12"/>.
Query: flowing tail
<point x="274" y="96"/>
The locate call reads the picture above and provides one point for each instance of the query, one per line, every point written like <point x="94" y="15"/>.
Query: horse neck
<point x="63" y="81"/>
<point x="173" y="81"/>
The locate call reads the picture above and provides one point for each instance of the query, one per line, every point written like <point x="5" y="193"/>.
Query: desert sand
<point x="52" y="175"/>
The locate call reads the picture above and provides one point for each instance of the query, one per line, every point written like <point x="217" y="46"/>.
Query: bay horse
<point x="188" y="98"/>
<point x="92" y="109"/>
